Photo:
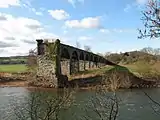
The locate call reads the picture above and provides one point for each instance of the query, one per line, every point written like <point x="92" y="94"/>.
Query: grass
<point x="13" y="68"/>
<point x="140" y="69"/>
<point x="95" y="72"/>
<point x="136" y="68"/>
<point x="102" y="70"/>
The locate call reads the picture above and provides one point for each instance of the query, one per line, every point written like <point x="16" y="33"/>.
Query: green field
<point x="136" y="68"/>
<point x="13" y="68"/>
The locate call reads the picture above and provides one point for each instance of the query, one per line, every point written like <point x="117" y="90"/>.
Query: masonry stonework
<point x="46" y="69"/>
<point x="65" y="67"/>
<point x="87" y="65"/>
<point x="67" y="60"/>
<point x="81" y="65"/>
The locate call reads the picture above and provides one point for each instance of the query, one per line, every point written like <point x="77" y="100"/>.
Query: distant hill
<point x="132" y="57"/>
<point x="13" y="60"/>
<point x="146" y="55"/>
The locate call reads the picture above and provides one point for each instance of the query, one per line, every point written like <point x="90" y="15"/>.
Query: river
<point x="134" y="104"/>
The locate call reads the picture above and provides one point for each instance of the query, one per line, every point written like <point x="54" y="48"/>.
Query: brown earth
<point x="85" y="81"/>
<point x="12" y="80"/>
<point x="14" y="84"/>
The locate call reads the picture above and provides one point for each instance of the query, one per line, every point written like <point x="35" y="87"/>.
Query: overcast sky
<point x="105" y="25"/>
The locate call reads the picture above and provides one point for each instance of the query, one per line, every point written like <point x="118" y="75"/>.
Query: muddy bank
<point x="13" y="80"/>
<point x="110" y="79"/>
<point x="14" y="84"/>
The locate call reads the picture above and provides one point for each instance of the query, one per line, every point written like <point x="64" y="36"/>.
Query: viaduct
<point x="65" y="60"/>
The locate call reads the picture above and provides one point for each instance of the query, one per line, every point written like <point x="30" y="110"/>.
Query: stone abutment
<point x="56" y="60"/>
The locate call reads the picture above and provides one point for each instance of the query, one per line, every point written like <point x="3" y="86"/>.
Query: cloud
<point x="89" y="22"/>
<point x="59" y="14"/>
<point x="65" y="32"/>
<point x="5" y="44"/>
<point x="7" y="3"/>
<point x="21" y="30"/>
<point x="73" y="2"/>
<point x="136" y="4"/>
<point x="123" y="30"/>
<point x="117" y="30"/>
<point x="29" y="41"/>
<point x="28" y="5"/>
<point x="36" y="12"/>
<point x="1" y="50"/>
<point x="127" y="8"/>
<point x="12" y="51"/>
<point x="84" y="38"/>
<point x="2" y="17"/>
<point x="9" y="38"/>
<point x="34" y="26"/>
<point x="19" y="26"/>
<point x="141" y="2"/>
<point x="104" y="31"/>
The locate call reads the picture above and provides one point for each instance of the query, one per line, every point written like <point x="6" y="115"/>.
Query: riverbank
<point x="13" y="79"/>
<point x="111" y="77"/>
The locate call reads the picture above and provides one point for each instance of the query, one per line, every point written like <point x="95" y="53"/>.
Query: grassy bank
<point x="13" y="68"/>
<point x="140" y="69"/>
<point x="116" y="76"/>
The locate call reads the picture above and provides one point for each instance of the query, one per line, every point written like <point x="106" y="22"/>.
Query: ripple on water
<point x="135" y="107"/>
<point x="130" y="104"/>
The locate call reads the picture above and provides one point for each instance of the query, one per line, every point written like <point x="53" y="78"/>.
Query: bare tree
<point x="155" y="105"/>
<point x="148" y="50"/>
<point x="153" y="51"/>
<point x="100" y="54"/>
<point x="31" y="60"/>
<point x="102" y="107"/>
<point x="78" y="44"/>
<point x="151" y="20"/>
<point x="42" y="106"/>
<point x="87" y="48"/>
<point x="107" y="54"/>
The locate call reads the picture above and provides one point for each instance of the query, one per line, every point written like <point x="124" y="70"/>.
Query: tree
<point x="153" y="51"/>
<point x="155" y="105"/>
<point x="31" y="59"/>
<point x="100" y="54"/>
<point x="40" y="105"/>
<point x="101" y="107"/>
<point x="107" y="54"/>
<point x="157" y="51"/>
<point x="148" y="50"/>
<point x="78" y="44"/>
<point x="87" y="48"/>
<point x="151" y="20"/>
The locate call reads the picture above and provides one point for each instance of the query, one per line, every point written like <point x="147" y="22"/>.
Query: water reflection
<point x="133" y="104"/>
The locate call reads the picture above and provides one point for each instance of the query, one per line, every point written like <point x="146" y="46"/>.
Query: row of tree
<point x="147" y="53"/>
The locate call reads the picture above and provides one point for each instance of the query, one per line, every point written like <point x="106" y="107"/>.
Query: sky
<point x="104" y="25"/>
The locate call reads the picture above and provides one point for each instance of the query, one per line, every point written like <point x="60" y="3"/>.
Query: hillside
<point x="132" y="57"/>
<point x="134" y="68"/>
<point x="13" y="60"/>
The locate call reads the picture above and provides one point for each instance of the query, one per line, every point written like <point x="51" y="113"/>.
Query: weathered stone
<point x="74" y="66"/>
<point x="81" y="65"/>
<point x="63" y="60"/>
<point x="87" y="65"/>
<point x="46" y="68"/>
<point x="65" y="67"/>
<point x="91" y="64"/>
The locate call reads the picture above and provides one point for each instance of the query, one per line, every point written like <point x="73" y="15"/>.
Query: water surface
<point x="134" y="104"/>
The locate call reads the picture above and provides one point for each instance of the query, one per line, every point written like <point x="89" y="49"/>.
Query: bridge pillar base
<point x="46" y="72"/>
